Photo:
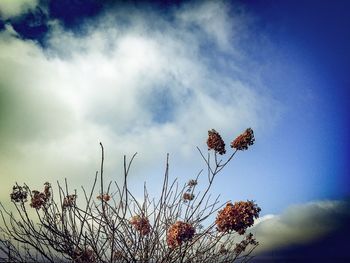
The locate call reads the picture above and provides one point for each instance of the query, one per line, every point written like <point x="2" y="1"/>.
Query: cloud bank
<point x="300" y="224"/>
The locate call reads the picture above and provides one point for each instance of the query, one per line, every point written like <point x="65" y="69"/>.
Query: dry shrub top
<point x="116" y="227"/>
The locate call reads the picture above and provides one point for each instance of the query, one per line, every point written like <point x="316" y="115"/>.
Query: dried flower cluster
<point x="40" y="199"/>
<point x="104" y="197"/>
<point x="19" y="194"/>
<point x="188" y="196"/>
<point x="248" y="240"/>
<point x="69" y="201"/>
<point x="244" y="140"/>
<point x="215" y="142"/>
<point x="192" y="183"/>
<point x="117" y="227"/>
<point x="178" y="233"/>
<point x="141" y="224"/>
<point x="237" y="217"/>
<point x="83" y="256"/>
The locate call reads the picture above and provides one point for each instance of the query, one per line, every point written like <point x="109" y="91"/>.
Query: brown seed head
<point x="47" y="190"/>
<point x="244" y="140"/>
<point x="215" y="142"/>
<point x="141" y="224"/>
<point x="19" y="194"/>
<point x="104" y="197"/>
<point x="188" y="196"/>
<point x="69" y="201"/>
<point x="237" y="217"/>
<point x="192" y="183"/>
<point x="178" y="233"/>
<point x="40" y="199"/>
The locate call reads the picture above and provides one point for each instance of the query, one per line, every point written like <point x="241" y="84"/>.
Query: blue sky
<point x="154" y="77"/>
<point x="311" y="52"/>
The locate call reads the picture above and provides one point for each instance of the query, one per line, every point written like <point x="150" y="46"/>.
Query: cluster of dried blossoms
<point x="19" y="194"/>
<point x="69" y="201"/>
<point x="215" y="142"/>
<point x="83" y="256"/>
<point x="104" y="197"/>
<point x="40" y="199"/>
<point x="192" y="183"/>
<point x="248" y="240"/>
<point x="244" y="140"/>
<point x="141" y="224"/>
<point x="237" y="217"/>
<point x="178" y="233"/>
<point x="188" y="196"/>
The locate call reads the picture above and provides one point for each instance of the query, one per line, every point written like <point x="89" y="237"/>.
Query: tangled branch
<point x="113" y="226"/>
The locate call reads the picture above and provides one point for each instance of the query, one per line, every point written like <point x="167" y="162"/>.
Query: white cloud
<point x="212" y="17"/>
<point x="138" y="87"/>
<point x="300" y="224"/>
<point x="12" y="8"/>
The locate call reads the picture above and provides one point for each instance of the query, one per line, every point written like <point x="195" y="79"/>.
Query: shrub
<point x="116" y="227"/>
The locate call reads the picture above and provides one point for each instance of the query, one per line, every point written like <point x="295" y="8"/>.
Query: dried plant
<point x="215" y="142"/>
<point x="188" y="196"/>
<point x="104" y="197"/>
<point x="237" y="217"/>
<point x="244" y="140"/>
<point x="141" y="224"/>
<point x="41" y="199"/>
<point x="179" y="233"/>
<point x="69" y="201"/>
<point x="19" y="194"/>
<point x="117" y="227"/>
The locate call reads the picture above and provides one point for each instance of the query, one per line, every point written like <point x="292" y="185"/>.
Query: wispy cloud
<point x="212" y="18"/>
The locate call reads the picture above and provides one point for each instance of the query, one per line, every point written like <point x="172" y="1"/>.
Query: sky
<point x="154" y="77"/>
